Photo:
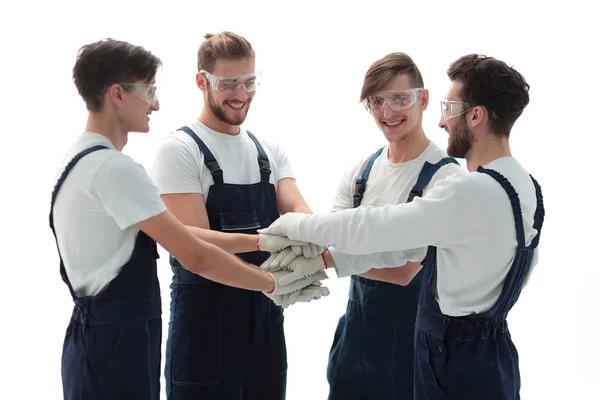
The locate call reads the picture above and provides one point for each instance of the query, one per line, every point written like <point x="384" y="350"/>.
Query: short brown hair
<point x="384" y="70"/>
<point x="109" y="61"/>
<point x="493" y="84"/>
<point x="227" y="45"/>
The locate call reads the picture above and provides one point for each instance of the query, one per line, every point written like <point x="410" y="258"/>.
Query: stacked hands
<point x="297" y="268"/>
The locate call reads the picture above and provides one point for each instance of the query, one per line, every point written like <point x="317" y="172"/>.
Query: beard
<point x="219" y="112"/>
<point x="460" y="139"/>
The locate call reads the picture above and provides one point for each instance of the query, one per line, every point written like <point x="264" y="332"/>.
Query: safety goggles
<point x="397" y="100"/>
<point x="451" y="109"/>
<point x="231" y="84"/>
<point x="147" y="91"/>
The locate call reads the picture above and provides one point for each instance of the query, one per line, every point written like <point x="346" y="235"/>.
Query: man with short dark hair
<point x="107" y="216"/>
<point x="482" y="229"/>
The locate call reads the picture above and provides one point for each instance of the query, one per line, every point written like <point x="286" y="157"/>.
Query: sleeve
<point x="351" y="264"/>
<point x="126" y="192"/>
<point x="434" y="219"/>
<point x="284" y="167"/>
<point x="175" y="170"/>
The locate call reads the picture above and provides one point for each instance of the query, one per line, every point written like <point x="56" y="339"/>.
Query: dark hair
<point x="226" y="45"/>
<point x="106" y="62"/>
<point x="493" y="84"/>
<point x="384" y="70"/>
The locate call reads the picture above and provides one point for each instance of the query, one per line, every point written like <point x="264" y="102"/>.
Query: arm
<point x="399" y="275"/>
<point x="204" y="258"/>
<point x="189" y="208"/>
<point x="125" y="191"/>
<point x="180" y="179"/>
<point x="349" y="264"/>
<point x="437" y="218"/>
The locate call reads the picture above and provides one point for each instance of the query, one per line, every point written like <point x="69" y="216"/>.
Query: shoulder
<point x="119" y="165"/>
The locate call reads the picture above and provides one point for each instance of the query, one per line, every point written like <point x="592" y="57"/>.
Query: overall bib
<point x="372" y="356"/>
<point x="473" y="357"/>
<point x="225" y="342"/>
<point x="112" y="344"/>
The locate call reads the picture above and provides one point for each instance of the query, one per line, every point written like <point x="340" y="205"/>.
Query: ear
<point x="477" y="116"/>
<point x="201" y="81"/>
<point x="116" y="94"/>
<point x="424" y="99"/>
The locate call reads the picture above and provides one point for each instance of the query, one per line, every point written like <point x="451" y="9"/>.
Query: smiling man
<point x="224" y="342"/>
<point x="482" y="230"/>
<point x="382" y="303"/>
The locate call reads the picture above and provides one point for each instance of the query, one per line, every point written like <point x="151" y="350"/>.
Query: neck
<point x="408" y="149"/>
<point x="210" y="120"/>
<point x="486" y="150"/>
<point x="108" y="127"/>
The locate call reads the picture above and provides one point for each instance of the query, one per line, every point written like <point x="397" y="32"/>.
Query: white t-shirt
<point x="179" y="166"/>
<point x="388" y="183"/>
<point x="468" y="217"/>
<point x="96" y="211"/>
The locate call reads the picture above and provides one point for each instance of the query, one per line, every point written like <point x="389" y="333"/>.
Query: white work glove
<point x="281" y="224"/>
<point x="299" y="268"/>
<point x="272" y="243"/>
<point x="308" y="250"/>
<point x="311" y="292"/>
<point x="285" y="285"/>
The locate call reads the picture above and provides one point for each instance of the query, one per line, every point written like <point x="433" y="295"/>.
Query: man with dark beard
<point x="223" y="342"/>
<point x="482" y="230"/>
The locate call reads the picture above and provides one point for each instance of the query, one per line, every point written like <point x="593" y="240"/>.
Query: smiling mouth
<point x="393" y="124"/>
<point x="236" y="105"/>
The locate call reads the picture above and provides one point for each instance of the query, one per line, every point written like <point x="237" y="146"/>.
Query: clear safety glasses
<point x="451" y="109"/>
<point x="147" y="91"/>
<point x="230" y="84"/>
<point x="397" y="100"/>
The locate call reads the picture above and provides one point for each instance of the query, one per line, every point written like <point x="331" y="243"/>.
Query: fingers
<point x="268" y="264"/>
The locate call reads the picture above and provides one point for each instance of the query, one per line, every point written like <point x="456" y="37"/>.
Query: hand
<point x="281" y="224"/>
<point x="292" y="285"/>
<point x="272" y="243"/>
<point x="301" y="268"/>
<point x="277" y="260"/>
<point x="311" y="292"/>
<point x="308" y="250"/>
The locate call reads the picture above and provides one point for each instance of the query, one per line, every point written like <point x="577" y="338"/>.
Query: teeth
<point x="393" y="123"/>
<point x="236" y="105"/>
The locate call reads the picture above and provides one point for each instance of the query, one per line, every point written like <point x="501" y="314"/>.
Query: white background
<point x="314" y="56"/>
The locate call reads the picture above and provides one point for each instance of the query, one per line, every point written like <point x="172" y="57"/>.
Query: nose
<point x="240" y="93"/>
<point x="442" y="123"/>
<point x="156" y="106"/>
<point x="387" y="110"/>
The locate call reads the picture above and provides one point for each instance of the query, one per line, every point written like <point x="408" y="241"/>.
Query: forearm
<point x="215" y="264"/>
<point x="399" y="275"/>
<point x="230" y="242"/>
<point x="352" y="264"/>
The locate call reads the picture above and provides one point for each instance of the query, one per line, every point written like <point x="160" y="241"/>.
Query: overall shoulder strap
<point x="361" y="181"/>
<point x="427" y="172"/>
<point x="209" y="159"/>
<point x="64" y="175"/>
<point x="263" y="160"/>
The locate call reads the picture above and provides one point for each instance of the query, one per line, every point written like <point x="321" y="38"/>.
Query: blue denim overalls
<point x="112" y="345"/>
<point x="225" y="342"/>
<point x="372" y="353"/>
<point x="473" y="357"/>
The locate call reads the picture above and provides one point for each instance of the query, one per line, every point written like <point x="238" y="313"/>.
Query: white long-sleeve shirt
<point x="388" y="183"/>
<point x="468" y="218"/>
